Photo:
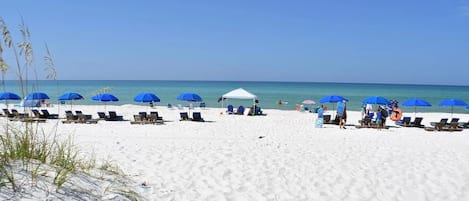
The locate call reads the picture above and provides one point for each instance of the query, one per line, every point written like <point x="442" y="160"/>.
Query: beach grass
<point x="30" y="155"/>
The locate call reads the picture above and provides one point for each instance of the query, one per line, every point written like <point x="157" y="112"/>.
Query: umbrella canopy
<point x="105" y="98"/>
<point x="451" y="103"/>
<point x="146" y="98"/>
<point x="192" y="97"/>
<point x="37" y="96"/>
<point x="9" y="96"/>
<point x="332" y="99"/>
<point x="376" y="100"/>
<point x="416" y="102"/>
<point x="308" y="102"/>
<point x="70" y="96"/>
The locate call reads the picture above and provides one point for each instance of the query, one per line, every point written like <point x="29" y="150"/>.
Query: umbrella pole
<point x="451" y="111"/>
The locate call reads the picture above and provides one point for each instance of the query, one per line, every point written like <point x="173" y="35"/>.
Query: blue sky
<point x="399" y="41"/>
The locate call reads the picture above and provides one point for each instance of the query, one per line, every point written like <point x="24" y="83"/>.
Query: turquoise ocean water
<point x="268" y="93"/>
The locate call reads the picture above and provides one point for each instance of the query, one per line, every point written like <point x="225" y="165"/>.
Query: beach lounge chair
<point x="7" y="113"/>
<point x="437" y="125"/>
<point x="137" y="119"/>
<point x="143" y="116"/>
<point x="453" y="126"/>
<point x="69" y="113"/>
<point x="229" y="109"/>
<point x="78" y="113"/>
<point x="101" y="115"/>
<point x="48" y="115"/>
<point x="114" y="117"/>
<point x="85" y="119"/>
<point x="17" y="115"/>
<point x="37" y="114"/>
<point x="69" y="118"/>
<point x="256" y="110"/>
<point x="202" y="105"/>
<point x="417" y="122"/>
<point x="156" y="118"/>
<point x="404" y="122"/>
<point x="184" y="116"/>
<point x="196" y="116"/>
<point x="240" y="110"/>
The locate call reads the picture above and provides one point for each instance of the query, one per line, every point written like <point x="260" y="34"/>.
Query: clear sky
<point x="396" y="41"/>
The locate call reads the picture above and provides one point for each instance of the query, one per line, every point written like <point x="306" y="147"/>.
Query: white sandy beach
<point x="277" y="157"/>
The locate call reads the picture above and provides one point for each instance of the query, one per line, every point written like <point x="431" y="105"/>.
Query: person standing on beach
<point x="341" y="114"/>
<point x="320" y="120"/>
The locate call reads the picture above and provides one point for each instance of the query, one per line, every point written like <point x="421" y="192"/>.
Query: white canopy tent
<point x="239" y="93"/>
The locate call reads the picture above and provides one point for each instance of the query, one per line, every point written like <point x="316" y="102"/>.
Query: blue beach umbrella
<point x="70" y="96"/>
<point x="34" y="99"/>
<point x="146" y="98"/>
<point x="376" y="100"/>
<point x="416" y="102"/>
<point x="106" y="97"/>
<point x="191" y="97"/>
<point x="9" y="96"/>
<point x="332" y="99"/>
<point x="37" y="96"/>
<point x="452" y="103"/>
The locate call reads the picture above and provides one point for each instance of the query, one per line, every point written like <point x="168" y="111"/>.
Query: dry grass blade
<point x="50" y="66"/>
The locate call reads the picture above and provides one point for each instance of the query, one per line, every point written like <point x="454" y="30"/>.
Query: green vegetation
<point x="29" y="154"/>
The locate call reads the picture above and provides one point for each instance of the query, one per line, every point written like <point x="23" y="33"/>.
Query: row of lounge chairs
<point x="256" y="110"/>
<point x="144" y="118"/>
<point x="196" y="116"/>
<point x="444" y="125"/>
<point x="37" y="116"/>
<point x="78" y="117"/>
